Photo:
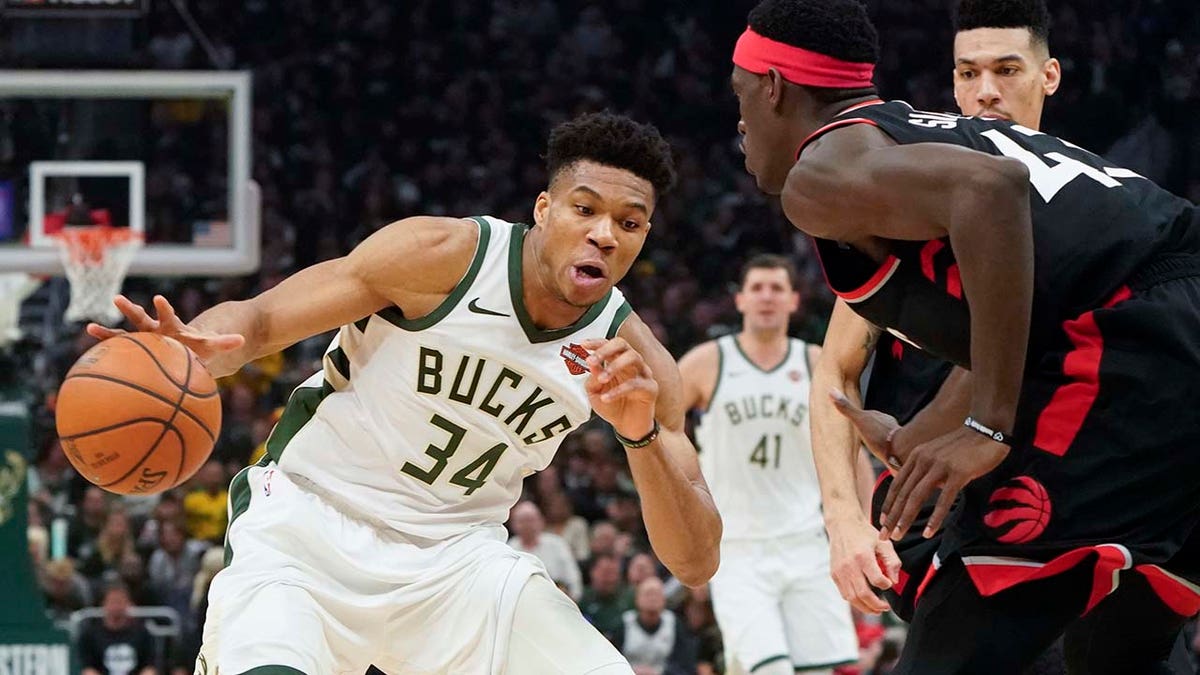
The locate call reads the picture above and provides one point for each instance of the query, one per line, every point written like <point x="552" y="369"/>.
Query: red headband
<point x="758" y="54"/>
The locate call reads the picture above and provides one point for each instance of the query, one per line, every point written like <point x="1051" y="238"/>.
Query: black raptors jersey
<point x="1095" y="226"/>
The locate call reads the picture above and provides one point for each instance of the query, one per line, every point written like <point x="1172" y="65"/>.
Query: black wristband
<point x="641" y="442"/>
<point x="998" y="436"/>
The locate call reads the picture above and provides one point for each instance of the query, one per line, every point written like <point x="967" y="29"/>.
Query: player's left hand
<point x="621" y="388"/>
<point x="948" y="462"/>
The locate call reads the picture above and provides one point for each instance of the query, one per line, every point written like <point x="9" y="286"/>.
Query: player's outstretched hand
<point x="621" y="388"/>
<point x="858" y="560"/>
<point x="948" y="462"/>
<point x="205" y="344"/>
<point x="874" y="428"/>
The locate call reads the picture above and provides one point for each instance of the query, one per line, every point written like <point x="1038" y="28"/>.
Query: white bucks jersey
<point x="755" y="447"/>
<point x="429" y="425"/>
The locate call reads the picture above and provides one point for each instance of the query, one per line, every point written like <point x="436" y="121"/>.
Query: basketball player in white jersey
<point x="778" y="610"/>
<point x="372" y="531"/>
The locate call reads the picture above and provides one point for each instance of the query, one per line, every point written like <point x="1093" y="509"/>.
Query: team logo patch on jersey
<point x="1018" y="511"/>
<point x="575" y="357"/>
<point x="795" y="375"/>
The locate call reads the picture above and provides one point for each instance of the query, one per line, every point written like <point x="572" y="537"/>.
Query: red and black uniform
<point x="1106" y="439"/>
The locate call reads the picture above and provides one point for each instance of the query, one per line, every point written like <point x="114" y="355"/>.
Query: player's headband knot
<point x="797" y="65"/>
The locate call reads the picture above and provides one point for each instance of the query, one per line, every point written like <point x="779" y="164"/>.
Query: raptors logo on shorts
<point x="1018" y="511"/>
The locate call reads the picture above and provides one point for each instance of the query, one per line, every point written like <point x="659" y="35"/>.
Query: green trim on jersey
<point x="824" y="666"/>
<point x="516" y="290"/>
<point x="807" y="358"/>
<point x="779" y="365"/>
<point x="720" y="372"/>
<point x="301" y="406"/>
<point x="340" y="361"/>
<point x="239" y="501"/>
<point x="619" y="317"/>
<point x="361" y="324"/>
<point x="396" y="316"/>
<point x="769" y="659"/>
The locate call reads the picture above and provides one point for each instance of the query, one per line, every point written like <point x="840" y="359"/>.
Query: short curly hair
<point x="1030" y="14"/>
<point x="837" y="28"/>
<point x="616" y="141"/>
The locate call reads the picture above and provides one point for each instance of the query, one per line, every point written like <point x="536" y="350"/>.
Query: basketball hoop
<point x="96" y="258"/>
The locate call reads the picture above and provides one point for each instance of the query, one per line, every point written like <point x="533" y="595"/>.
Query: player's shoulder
<point x="705" y="353"/>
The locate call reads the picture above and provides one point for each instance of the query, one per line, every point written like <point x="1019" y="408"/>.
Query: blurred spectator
<point x="131" y="571"/>
<point x="65" y="590"/>
<point x="205" y="507"/>
<point x="603" y="541"/>
<point x="551" y="549"/>
<point x="641" y="567"/>
<point x="710" y="649"/>
<point x="113" y="543"/>
<point x="168" y="510"/>
<point x="655" y="640"/>
<point x="173" y="566"/>
<point x="606" y="597"/>
<point x="90" y="518"/>
<point x="562" y="521"/>
<point x="116" y="644"/>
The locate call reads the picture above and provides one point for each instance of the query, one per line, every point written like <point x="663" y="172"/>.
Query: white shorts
<point x="774" y="600"/>
<point x="311" y="590"/>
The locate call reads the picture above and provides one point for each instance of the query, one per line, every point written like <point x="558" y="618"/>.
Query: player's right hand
<point x="859" y="560"/>
<point x="205" y="345"/>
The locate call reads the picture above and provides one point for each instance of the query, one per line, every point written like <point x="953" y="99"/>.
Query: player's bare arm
<point x="855" y="547"/>
<point x="854" y="184"/>
<point x="699" y="369"/>
<point x="634" y="384"/>
<point x="412" y="263"/>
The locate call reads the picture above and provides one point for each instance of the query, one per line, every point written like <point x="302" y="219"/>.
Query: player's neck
<point x="766" y="349"/>
<point x="542" y="304"/>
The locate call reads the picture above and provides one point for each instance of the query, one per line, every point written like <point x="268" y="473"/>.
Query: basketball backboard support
<point x="236" y="248"/>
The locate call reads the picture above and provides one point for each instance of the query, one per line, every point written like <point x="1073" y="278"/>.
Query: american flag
<point x="212" y="233"/>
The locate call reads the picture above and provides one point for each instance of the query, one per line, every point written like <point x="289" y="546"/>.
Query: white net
<point x="96" y="259"/>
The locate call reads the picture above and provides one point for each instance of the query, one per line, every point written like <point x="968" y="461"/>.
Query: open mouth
<point x="589" y="271"/>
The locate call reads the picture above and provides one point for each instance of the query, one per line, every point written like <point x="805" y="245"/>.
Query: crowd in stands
<point x="367" y="111"/>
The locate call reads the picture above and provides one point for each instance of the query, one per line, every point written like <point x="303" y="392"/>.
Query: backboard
<point x="166" y="154"/>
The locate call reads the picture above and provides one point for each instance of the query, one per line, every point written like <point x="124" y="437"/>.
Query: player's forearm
<point x="992" y="238"/>
<point x="235" y="317"/>
<point x="680" y="515"/>
<point x="944" y="414"/>
<point x="835" y="445"/>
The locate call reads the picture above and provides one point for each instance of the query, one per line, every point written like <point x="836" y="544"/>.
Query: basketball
<point x="138" y="414"/>
<point x="1018" y="511"/>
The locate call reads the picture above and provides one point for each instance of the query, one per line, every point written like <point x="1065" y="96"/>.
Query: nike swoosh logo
<point x="474" y="307"/>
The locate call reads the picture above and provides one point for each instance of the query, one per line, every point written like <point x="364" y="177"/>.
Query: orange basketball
<point x="138" y="414"/>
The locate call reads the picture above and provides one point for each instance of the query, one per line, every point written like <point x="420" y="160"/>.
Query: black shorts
<point x="1103" y="471"/>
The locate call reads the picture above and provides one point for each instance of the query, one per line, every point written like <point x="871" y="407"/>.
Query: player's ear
<point x="794" y="305"/>
<point x="1052" y="76"/>
<point x="774" y="82"/>
<point x="540" y="207"/>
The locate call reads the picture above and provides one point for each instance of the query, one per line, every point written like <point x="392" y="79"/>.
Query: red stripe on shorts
<point x="1062" y="418"/>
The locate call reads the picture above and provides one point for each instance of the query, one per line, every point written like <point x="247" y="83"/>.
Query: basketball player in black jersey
<point x="1002" y="69"/>
<point x="1079" y="414"/>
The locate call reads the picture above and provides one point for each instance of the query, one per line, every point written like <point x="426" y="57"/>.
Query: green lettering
<point x="735" y="417"/>
<point x="429" y="371"/>
<point x="458" y="378"/>
<point x="549" y="431"/>
<point x="527" y="409"/>
<point x="486" y="406"/>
